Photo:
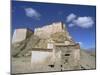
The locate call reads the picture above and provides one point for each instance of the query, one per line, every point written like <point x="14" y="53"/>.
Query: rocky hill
<point x="87" y="61"/>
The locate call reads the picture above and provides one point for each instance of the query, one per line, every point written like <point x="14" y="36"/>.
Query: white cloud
<point x="70" y="17"/>
<point x="84" y="22"/>
<point x="30" y="12"/>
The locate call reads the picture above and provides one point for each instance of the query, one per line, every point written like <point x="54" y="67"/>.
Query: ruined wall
<point x="43" y="32"/>
<point x="70" y="56"/>
<point x="20" y="35"/>
<point x="47" y="30"/>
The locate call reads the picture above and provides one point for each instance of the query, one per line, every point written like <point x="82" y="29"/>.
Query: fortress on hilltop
<point x="51" y="42"/>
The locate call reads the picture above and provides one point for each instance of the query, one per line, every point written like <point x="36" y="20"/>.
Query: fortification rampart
<point x="47" y="30"/>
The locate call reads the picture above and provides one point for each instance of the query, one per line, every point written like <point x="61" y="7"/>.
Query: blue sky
<point x="80" y="20"/>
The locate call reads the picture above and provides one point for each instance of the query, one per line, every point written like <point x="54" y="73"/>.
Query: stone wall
<point x="21" y="34"/>
<point x="47" y="30"/>
<point x="42" y="56"/>
<point x="70" y="56"/>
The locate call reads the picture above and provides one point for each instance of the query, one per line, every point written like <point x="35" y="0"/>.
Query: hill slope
<point x="87" y="61"/>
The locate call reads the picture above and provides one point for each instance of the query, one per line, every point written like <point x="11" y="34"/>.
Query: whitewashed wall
<point x="19" y="35"/>
<point x="40" y="57"/>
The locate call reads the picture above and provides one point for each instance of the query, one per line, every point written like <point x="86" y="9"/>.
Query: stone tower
<point x="20" y="35"/>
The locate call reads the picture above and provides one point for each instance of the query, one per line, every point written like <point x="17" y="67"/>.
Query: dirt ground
<point x="24" y="65"/>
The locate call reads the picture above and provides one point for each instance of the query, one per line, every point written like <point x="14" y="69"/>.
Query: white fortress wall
<point x="49" y="29"/>
<point x="19" y="35"/>
<point x="41" y="57"/>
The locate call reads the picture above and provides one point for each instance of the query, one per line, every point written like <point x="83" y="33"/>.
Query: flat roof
<point x="41" y="49"/>
<point x="62" y="45"/>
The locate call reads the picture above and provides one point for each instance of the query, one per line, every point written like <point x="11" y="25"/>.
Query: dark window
<point x="61" y="65"/>
<point x="67" y="54"/>
<point x="51" y="66"/>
